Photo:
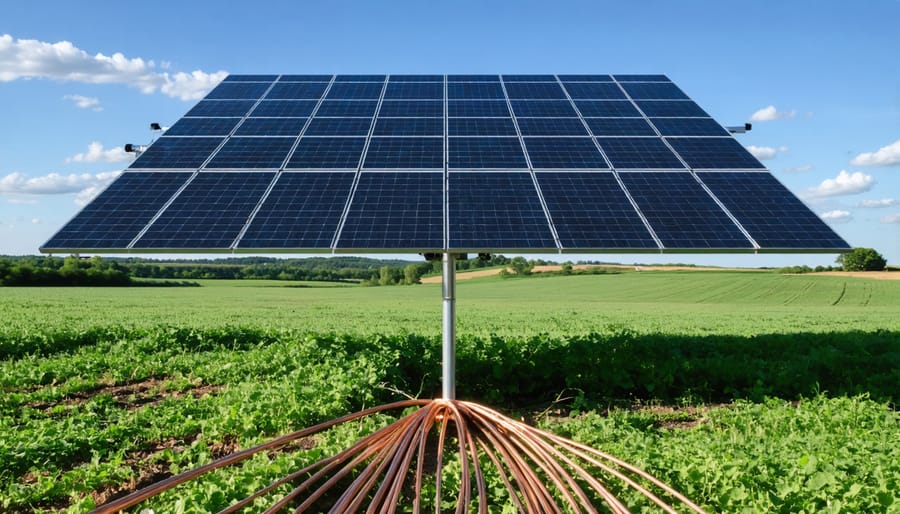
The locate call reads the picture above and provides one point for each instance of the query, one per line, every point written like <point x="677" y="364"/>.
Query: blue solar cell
<point x="173" y="152"/>
<point x="642" y="78"/>
<point x="347" y="108"/>
<point x="543" y="108"/>
<point x="551" y="127"/>
<point x="681" y="213"/>
<point x="620" y="127"/>
<point x="535" y="91"/>
<point x="773" y="216"/>
<point x="209" y="213"/>
<point x="252" y="152"/>
<point x="305" y="78"/>
<point x="339" y="127"/>
<point x="688" y="127"/>
<point x="360" y="78"/>
<point x="405" y="153"/>
<point x="639" y="153"/>
<point x="297" y="91"/>
<point x="409" y="127"/>
<point x="477" y="108"/>
<point x="607" y="109"/>
<point x="408" y="108"/>
<point x="671" y="109"/>
<point x="328" y="153"/>
<point x="238" y="91"/>
<point x="594" y="91"/>
<point x="564" y="152"/>
<point x="496" y="211"/>
<point x="303" y="210"/>
<point x="481" y="127"/>
<point x="417" y="78"/>
<point x="415" y="90"/>
<point x="473" y="78"/>
<point x="590" y="211"/>
<point x="585" y="78"/>
<point x="474" y="90"/>
<point x="714" y="153"/>
<point x="250" y="78"/>
<point x="221" y="108"/>
<point x="284" y="108"/>
<point x="271" y="127"/>
<point x="120" y="212"/>
<point x="486" y="153"/>
<point x="355" y="91"/>
<point x="529" y="78"/>
<point x="654" y="90"/>
<point x="396" y="211"/>
<point x="203" y="127"/>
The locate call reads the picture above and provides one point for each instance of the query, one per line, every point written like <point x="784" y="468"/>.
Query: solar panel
<point x="474" y="163"/>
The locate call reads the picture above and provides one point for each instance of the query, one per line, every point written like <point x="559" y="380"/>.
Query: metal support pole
<point x="448" y="285"/>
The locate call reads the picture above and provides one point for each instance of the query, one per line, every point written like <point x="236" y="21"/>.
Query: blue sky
<point x="819" y="80"/>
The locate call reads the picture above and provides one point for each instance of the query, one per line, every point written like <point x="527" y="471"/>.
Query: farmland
<point x="792" y="378"/>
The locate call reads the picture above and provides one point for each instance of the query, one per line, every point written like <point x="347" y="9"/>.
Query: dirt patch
<point x="131" y="396"/>
<point x="468" y="275"/>
<point x="877" y="275"/>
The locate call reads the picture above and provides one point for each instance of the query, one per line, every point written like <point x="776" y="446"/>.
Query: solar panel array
<point x="430" y="163"/>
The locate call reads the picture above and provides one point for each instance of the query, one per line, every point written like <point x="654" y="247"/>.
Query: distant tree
<point x="862" y="259"/>
<point x="521" y="266"/>
<point x="411" y="274"/>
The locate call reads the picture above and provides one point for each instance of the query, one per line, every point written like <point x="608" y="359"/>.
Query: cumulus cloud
<point x="54" y="183"/>
<point x="30" y="58"/>
<point x="800" y="169"/>
<point x="85" y="102"/>
<point x="836" y="215"/>
<point x="765" y="152"/>
<point x="770" y="113"/>
<point x="891" y="218"/>
<point x="885" y="156"/>
<point x="844" y="184"/>
<point x="96" y="153"/>
<point x="875" y="204"/>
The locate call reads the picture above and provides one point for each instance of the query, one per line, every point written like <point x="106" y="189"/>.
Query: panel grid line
<point x="446" y="206"/>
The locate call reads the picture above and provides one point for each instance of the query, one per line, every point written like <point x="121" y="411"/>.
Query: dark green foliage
<point x="862" y="259"/>
<point x="71" y="271"/>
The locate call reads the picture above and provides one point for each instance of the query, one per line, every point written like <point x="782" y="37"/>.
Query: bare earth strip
<point x="878" y="275"/>
<point x="467" y="275"/>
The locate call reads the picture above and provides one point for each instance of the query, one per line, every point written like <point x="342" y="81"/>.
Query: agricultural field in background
<point x="748" y="391"/>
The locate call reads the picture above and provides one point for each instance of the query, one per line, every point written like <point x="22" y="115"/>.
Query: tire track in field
<point x="841" y="295"/>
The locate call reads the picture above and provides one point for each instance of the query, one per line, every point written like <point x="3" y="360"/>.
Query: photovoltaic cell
<point x="203" y="127"/>
<point x="590" y="210"/>
<point x="305" y="78"/>
<point x="302" y="211"/>
<point x="551" y="127"/>
<point x="473" y="78"/>
<point x="119" y="213"/>
<point x="607" y="109"/>
<point x="529" y="78"/>
<point x="638" y="153"/>
<point x="414" y="90"/>
<point x="339" y="127"/>
<point x="496" y="210"/>
<point x="773" y="216"/>
<point x="284" y="108"/>
<point x="209" y="212"/>
<point x="250" y="78"/>
<point x="477" y="108"/>
<point x="355" y="91"/>
<point x="328" y="153"/>
<point x="486" y="153"/>
<point x="174" y="152"/>
<point x="620" y="127"/>
<point x="396" y="210"/>
<point x="409" y="127"/>
<point x="221" y="108"/>
<point x="543" y="108"/>
<point x="585" y="78"/>
<point x="594" y="91"/>
<point x="347" y="108"/>
<point x="654" y="91"/>
<point x="564" y="152"/>
<point x="713" y="153"/>
<point x="474" y="90"/>
<point x="688" y="127"/>
<point x="359" y="78"/>
<point x="405" y="153"/>
<point x="535" y="91"/>
<point x="641" y="78"/>
<point x="238" y="91"/>
<point x="297" y="91"/>
<point x="681" y="213"/>
<point x="252" y="152"/>
<point x="671" y="109"/>
<point x="481" y="127"/>
<point x="271" y="127"/>
<point x="417" y="78"/>
<point x="406" y="108"/>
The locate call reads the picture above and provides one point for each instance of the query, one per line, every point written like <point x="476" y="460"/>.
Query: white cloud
<point x="891" y="218"/>
<point x="85" y="196"/>
<point x="22" y="201"/>
<point x="54" y="183"/>
<point x="85" y="102"/>
<point x="844" y="184"/>
<point x="874" y="204"/>
<point x="885" y="156"/>
<point x="30" y="58"/>
<point x="35" y="221"/>
<point x="96" y="153"/>
<point x="836" y="215"/>
<point x="770" y="113"/>
<point x="800" y="169"/>
<point x="766" y="152"/>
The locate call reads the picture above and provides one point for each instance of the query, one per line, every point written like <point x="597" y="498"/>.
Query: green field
<point x="747" y="390"/>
